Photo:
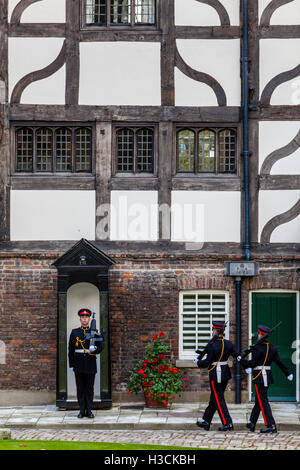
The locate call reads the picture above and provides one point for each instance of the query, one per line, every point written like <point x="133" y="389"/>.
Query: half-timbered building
<point x="149" y="168"/>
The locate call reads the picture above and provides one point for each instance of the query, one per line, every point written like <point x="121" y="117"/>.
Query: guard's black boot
<point x="251" y="426"/>
<point x="226" y="427"/>
<point x="268" y="429"/>
<point x="89" y="414"/>
<point x="203" y="424"/>
<point x="80" y="415"/>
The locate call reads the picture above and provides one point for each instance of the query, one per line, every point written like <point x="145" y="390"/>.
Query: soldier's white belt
<point x="219" y="370"/>
<point x="79" y="350"/>
<point x="264" y="373"/>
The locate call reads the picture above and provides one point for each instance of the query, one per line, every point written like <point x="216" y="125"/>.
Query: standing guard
<point x="263" y="354"/>
<point x="218" y="352"/>
<point x="82" y="358"/>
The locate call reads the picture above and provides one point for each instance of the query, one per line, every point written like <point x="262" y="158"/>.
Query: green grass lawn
<point x="75" y="445"/>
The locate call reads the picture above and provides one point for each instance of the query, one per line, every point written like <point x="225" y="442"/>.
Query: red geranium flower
<point x="154" y="360"/>
<point x="161" y="356"/>
<point x="141" y="371"/>
<point x="145" y="376"/>
<point x="155" y="337"/>
<point x="128" y="392"/>
<point x="165" y="403"/>
<point x="166" y="395"/>
<point x="161" y="333"/>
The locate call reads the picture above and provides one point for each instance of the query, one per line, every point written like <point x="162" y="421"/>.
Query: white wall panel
<point x="273" y="203"/>
<point x="287" y="52"/>
<point x="218" y="58"/>
<point x="188" y="92"/>
<point x="52" y="215"/>
<point x="288" y="14"/>
<point x="193" y="13"/>
<point x="27" y="55"/>
<point x="134" y="215"/>
<point x="45" y="11"/>
<point x="119" y="73"/>
<point x="274" y="135"/>
<point x="206" y="216"/>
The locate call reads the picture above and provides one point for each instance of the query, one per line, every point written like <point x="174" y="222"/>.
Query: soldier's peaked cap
<point x="84" y="311"/>
<point x="263" y="329"/>
<point x="218" y="325"/>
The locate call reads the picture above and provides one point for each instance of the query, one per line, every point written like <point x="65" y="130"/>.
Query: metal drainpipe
<point x="245" y="113"/>
<point x="245" y="155"/>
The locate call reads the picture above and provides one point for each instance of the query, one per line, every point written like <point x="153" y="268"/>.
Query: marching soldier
<point x="263" y="354"/>
<point x="82" y="359"/>
<point x="218" y="352"/>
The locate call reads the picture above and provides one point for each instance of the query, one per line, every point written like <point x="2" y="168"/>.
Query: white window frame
<point x="191" y="354"/>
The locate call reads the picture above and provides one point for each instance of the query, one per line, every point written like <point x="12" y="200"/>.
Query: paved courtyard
<point x="137" y="424"/>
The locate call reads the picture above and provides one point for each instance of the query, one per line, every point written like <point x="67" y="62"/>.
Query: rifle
<point x="261" y="340"/>
<point x="93" y="335"/>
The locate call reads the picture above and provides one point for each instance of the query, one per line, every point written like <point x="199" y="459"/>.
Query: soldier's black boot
<point x="251" y="426"/>
<point x="226" y="427"/>
<point x="89" y="414"/>
<point x="80" y="415"/>
<point x="267" y="429"/>
<point x="203" y="424"/>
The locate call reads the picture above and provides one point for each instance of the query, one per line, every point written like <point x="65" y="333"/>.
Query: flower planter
<point x="151" y="402"/>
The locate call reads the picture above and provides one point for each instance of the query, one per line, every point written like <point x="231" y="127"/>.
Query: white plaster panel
<point x="288" y="51"/>
<point x="27" y="55"/>
<point x="273" y="203"/>
<point x="134" y="215"/>
<point x="206" y="216"/>
<point x="50" y="90"/>
<point x="194" y="13"/>
<point x="288" y="14"/>
<point x="45" y="11"/>
<point x="119" y="73"/>
<point x="218" y="58"/>
<point x="274" y="135"/>
<point x="52" y="215"/>
<point x="189" y="92"/>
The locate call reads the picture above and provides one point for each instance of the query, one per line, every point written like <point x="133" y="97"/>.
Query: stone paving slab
<point x="181" y="416"/>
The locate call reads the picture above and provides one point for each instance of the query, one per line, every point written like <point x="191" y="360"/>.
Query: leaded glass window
<point x="96" y="12"/>
<point x="53" y="149"/>
<point x="135" y="150"/>
<point x="44" y="149"/>
<point x="206" y="150"/>
<point x="24" y="149"/>
<point x="145" y="149"/>
<point x="83" y="150"/>
<point x="120" y="12"/>
<point x="145" y="11"/>
<point x="227" y="151"/>
<point x="125" y="139"/>
<point x="186" y="150"/>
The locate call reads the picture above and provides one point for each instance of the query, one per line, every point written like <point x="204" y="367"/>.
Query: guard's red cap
<point x="84" y="311"/>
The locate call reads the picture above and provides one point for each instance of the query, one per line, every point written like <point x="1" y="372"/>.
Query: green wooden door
<point x="269" y="309"/>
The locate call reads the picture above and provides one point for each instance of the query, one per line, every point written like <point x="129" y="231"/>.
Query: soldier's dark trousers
<point x="85" y="391"/>
<point x="217" y="403"/>
<point x="262" y="405"/>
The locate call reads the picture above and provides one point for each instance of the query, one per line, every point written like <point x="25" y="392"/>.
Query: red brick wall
<point x="144" y="297"/>
<point x="28" y="323"/>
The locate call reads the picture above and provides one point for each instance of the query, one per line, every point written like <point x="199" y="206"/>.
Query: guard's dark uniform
<point x="216" y="361"/>
<point x="84" y="366"/>
<point x="263" y="355"/>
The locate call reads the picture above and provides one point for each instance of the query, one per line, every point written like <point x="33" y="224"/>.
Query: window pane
<point x="206" y="151"/>
<point x="120" y="12"/>
<point x="145" y="11"/>
<point x="44" y="150"/>
<point x="83" y="145"/>
<point x="24" y="142"/>
<point x="96" y="11"/>
<point x="186" y="150"/>
<point x="125" y="150"/>
<point x="227" y="151"/>
<point x="63" y="150"/>
<point x="144" y="150"/>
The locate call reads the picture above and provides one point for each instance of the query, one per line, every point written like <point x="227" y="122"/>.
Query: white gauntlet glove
<point x="239" y="358"/>
<point x="248" y="371"/>
<point x="290" y="377"/>
<point x="195" y="361"/>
